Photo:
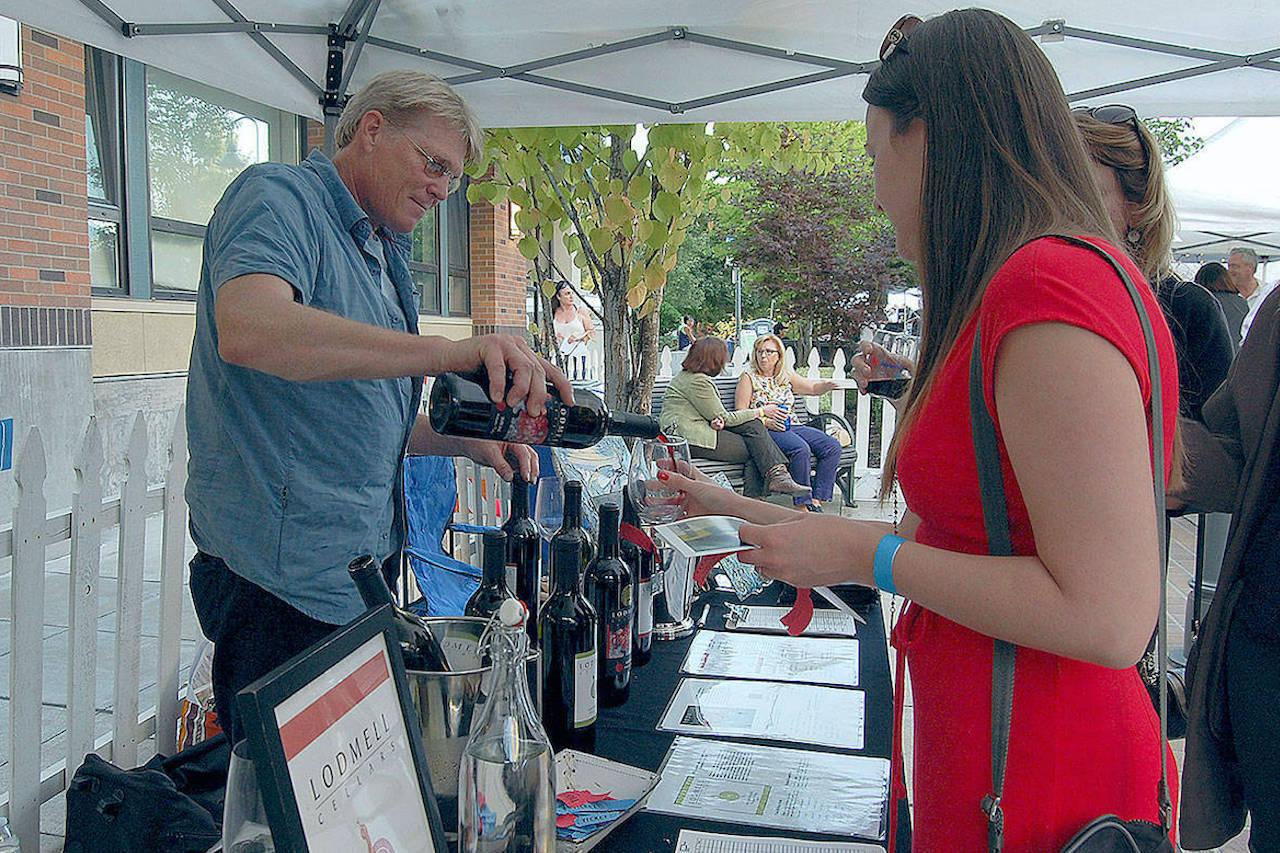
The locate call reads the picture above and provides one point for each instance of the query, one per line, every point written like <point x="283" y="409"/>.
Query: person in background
<point x="1242" y="263"/>
<point x="766" y="380"/>
<point x="1233" y="669"/>
<point x="1129" y="172"/>
<point x="691" y="408"/>
<point x="306" y="376"/>
<point x="687" y="333"/>
<point x="573" y="327"/>
<point x="977" y="163"/>
<point x="1214" y="278"/>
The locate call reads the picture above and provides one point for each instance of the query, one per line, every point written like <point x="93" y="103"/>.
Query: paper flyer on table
<point x="807" y="660"/>
<point x="692" y="841"/>
<point x="768" y="619"/>
<point x="767" y="710"/>
<point x="791" y="789"/>
<point x="702" y="535"/>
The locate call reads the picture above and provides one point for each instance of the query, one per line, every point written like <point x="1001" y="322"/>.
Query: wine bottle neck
<point x="519" y="497"/>
<point x="630" y="425"/>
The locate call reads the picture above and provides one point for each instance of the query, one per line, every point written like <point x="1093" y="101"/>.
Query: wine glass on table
<point x="673" y="583"/>
<point x="244" y="818"/>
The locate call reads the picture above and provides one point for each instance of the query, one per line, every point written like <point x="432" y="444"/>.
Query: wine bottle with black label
<point x="569" y="654"/>
<point x="419" y="646"/>
<point x="460" y="405"/>
<point x="493" y="589"/>
<point x="524" y="553"/>
<point x="637" y="553"/>
<point x="608" y="586"/>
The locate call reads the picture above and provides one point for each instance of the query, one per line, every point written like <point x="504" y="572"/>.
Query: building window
<point x="458" y="214"/>
<point x="198" y="140"/>
<point x="424" y="262"/>
<point x="102" y="159"/>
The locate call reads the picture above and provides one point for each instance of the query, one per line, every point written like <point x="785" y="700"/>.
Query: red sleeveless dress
<point x="1084" y="739"/>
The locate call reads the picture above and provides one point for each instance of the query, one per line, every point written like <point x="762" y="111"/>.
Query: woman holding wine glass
<point x="768" y="381"/>
<point x="691" y="408"/>
<point x="978" y="165"/>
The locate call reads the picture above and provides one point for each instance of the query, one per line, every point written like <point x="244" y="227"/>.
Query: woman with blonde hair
<point x="979" y="166"/>
<point x="1127" y="167"/>
<point x="768" y="380"/>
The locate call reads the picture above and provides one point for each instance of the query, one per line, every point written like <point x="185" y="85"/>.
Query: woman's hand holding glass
<point x="651" y="459"/>
<point x="872" y="361"/>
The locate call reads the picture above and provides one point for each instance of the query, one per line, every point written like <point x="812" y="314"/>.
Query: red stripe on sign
<point x="315" y="719"/>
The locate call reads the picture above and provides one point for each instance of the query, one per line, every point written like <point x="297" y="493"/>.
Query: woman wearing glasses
<point x="691" y="408"/>
<point x="767" y="381"/>
<point x="977" y="161"/>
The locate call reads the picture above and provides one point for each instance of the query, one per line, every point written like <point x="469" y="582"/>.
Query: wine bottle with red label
<point x="608" y="586"/>
<point x="460" y="405"/>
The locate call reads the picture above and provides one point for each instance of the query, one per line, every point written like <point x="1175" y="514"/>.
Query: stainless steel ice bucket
<point x="448" y="703"/>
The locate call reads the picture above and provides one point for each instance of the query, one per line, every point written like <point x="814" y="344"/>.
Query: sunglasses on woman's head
<point x="1119" y="115"/>
<point x="897" y="35"/>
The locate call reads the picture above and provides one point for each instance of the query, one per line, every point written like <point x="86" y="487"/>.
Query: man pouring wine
<point x="306" y="376"/>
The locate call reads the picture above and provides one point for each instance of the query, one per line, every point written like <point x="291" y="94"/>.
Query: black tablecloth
<point x="629" y="733"/>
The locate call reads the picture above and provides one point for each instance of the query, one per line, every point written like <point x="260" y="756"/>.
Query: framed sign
<point x="336" y="741"/>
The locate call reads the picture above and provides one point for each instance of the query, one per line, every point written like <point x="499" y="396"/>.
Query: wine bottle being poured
<point x="460" y="405"/>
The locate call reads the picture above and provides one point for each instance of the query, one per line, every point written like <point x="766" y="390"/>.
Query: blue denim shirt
<point x="289" y="481"/>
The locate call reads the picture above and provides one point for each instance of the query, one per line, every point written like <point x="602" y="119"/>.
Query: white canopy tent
<point x="1228" y="193"/>
<point x="541" y="62"/>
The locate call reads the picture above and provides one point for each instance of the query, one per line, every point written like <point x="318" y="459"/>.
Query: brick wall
<point x="44" y="240"/>
<point x="315" y="135"/>
<point x="499" y="273"/>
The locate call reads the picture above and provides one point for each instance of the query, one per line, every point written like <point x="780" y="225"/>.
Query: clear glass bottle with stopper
<point x="506" y="784"/>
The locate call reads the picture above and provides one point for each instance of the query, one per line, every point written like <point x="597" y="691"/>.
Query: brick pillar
<point x="44" y="239"/>
<point x="499" y="273"/>
<point x="315" y="135"/>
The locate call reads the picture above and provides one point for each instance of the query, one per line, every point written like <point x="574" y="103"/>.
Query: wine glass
<point x="244" y="819"/>
<point x="890" y="376"/>
<point x="649" y="456"/>
<point x="548" y="510"/>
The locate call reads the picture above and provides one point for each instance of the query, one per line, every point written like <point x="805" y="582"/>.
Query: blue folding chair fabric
<point x="430" y="494"/>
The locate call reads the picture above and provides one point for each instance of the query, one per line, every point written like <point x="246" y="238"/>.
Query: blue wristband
<point x="883" y="564"/>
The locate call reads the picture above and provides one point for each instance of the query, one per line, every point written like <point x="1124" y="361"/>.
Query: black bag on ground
<point x="169" y="805"/>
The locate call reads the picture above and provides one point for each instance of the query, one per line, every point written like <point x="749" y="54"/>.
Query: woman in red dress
<point x="977" y="163"/>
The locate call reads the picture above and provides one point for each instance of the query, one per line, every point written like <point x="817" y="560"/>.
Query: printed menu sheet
<point x="768" y="619"/>
<point x="767" y="710"/>
<point x="790" y="789"/>
<point x="692" y="841"/>
<point x="807" y="660"/>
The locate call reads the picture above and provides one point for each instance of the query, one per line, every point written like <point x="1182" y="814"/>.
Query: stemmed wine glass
<point x="548" y="510"/>
<point x="890" y="377"/>
<point x="244" y="819"/>
<point x="655" y="504"/>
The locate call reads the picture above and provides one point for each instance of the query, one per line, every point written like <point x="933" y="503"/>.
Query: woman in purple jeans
<point x="765" y="382"/>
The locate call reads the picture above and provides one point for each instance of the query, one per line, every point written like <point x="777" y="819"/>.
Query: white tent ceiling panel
<point x="1108" y="46"/>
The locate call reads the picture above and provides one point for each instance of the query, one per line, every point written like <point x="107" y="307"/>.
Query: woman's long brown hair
<point x="1004" y="164"/>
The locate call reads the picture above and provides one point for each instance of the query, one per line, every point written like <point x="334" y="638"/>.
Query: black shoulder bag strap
<point x="996" y="519"/>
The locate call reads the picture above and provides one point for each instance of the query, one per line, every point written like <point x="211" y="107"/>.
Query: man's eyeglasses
<point x="1119" y="115"/>
<point x="436" y="169"/>
<point x="898" y="35"/>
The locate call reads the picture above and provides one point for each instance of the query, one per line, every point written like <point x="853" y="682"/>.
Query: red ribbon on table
<point x="801" y="613"/>
<point x="636" y="537"/>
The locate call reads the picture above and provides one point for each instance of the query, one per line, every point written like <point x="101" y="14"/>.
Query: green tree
<point x="1176" y="137"/>
<point x="623" y="215"/>
<point x="701" y="284"/>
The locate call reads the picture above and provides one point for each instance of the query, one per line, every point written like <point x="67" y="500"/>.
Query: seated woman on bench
<point x="691" y="408"/>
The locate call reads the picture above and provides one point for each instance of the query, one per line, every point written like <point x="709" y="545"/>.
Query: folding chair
<point x="431" y="493"/>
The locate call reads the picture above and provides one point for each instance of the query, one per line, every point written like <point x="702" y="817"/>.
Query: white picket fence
<point x="867" y="469"/>
<point x="27" y="543"/>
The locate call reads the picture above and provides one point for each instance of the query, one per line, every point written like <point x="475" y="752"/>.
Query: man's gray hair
<point x="1248" y="254"/>
<point x="405" y="96"/>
